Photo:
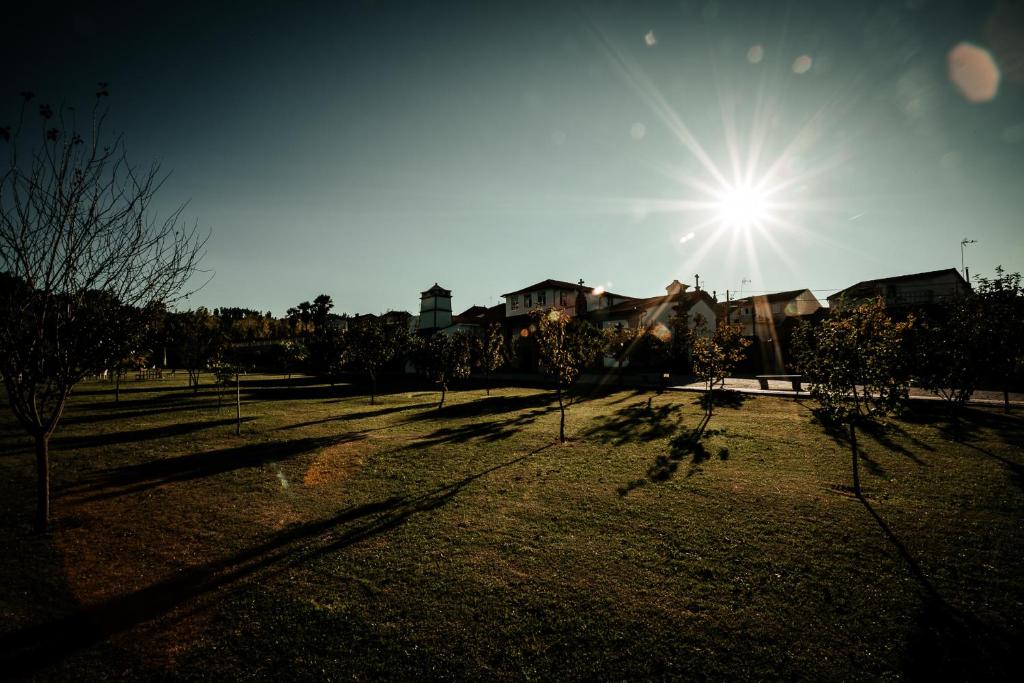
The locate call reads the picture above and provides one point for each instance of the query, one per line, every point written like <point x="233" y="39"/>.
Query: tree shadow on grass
<point x="360" y="415"/>
<point x="140" y="435"/>
<point x="490" y="431"/>
<point x="320" y="389"/>
<point x="637" y="422"/>
<point x="127" y="388"/>
<point x="625" y="396"/>
<point x="491" y="405"/>
<point x="1016" y="469"/>
<point x="722" y="398"/>
<point x="148" y="475"/>
<point x="94" y="416"/>
<point x="946" y="644"/>
<point x="971" y="423"/>
<point x="687" y="445"/>
<point x="170" y="401"/>
<point x="31" y="649"/>
<point x="881" y="433"/>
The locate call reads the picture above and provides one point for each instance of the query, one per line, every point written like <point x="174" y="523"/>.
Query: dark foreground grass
<point x="337" y="540"/>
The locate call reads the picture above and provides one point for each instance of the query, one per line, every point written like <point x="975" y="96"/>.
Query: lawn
<point x="334" y="539"/>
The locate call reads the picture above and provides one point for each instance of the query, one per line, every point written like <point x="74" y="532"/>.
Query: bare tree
<point x="78" y="243"/>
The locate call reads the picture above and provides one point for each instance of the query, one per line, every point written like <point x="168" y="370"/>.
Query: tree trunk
<point x="561" y="425"/>
<point x="855" y="462"/>
<point x="444" y="389"/>
<point x="373" y="388"/>
<point x="42" y="482"/>
<point x="487" y="382"/>
<point x="117" y="388"/>
<point x="1006" y="399"/>
<point x="238" y="406"/>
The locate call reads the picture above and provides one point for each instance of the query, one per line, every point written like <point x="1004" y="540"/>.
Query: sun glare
<point x="742" y="207"/>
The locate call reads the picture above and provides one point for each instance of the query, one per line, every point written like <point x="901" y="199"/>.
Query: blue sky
<point x="369" y="149"/>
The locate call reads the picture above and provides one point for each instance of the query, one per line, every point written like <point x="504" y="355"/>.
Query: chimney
<point x="676" y="287"/>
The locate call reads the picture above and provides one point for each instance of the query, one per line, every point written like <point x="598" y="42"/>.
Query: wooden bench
<point x="794" y="379"/>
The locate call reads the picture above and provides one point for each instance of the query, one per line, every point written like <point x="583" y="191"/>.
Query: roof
<point x="405" y="315"/>
<point x="561" y="284"/>
<point x="495" y="313"/>
<point x="870" y="284"/>
<point x="436" y="290"/>
<point x="691" y="297"/>
<point x="473" y="315"/>
<point x="473" y="312"/>
<point x="774" y="296"/>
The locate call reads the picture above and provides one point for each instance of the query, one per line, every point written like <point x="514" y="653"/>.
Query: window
<point x="514" y="302"/>
<point x="561" y="298"/>
<point x="527" y="300"/>
<point x="542" y="298"/>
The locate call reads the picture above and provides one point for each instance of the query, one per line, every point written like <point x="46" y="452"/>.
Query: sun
<point x="742" y="207"/>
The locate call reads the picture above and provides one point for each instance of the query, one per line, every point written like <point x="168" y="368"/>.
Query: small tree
<point x="1002" y="302"/>
<point x="197" y="340"/>
<point x="372" y="344"/>
<point x="77" y="242"/>
<point x="292" y="354"/>
<point x="619" y="342"/>
<point x="227" y="371"/>
<point x="443" y="358"/>
<point x="325" y="352"/>
<point x="566" y="347"/>
<point x="715" y="357"/>
<point x="856" y="366"/>
<point x="652" y="348"/>
<point x="950" y="352"/>
<point x="492" y="353"/>
<point x="680" y="344"/>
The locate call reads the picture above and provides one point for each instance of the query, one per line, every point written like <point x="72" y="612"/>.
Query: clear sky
<point x="369" y="149"/>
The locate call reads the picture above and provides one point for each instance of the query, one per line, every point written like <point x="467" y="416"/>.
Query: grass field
<point x="335" y="539"/>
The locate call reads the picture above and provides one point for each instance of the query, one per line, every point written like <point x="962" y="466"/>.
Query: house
<point x="574" y="299"/>
<point x="656" y="312"/>
<point x="903" y="292"/>
<point x="763" y="314"/>
<point x="768" y="320"/>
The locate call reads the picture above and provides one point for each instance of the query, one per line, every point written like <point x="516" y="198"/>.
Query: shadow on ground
<point x="130" y="479"/>
<point x="31" y="649"/>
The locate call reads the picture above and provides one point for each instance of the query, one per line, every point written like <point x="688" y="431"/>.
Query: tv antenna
<point x="963" y="243"/>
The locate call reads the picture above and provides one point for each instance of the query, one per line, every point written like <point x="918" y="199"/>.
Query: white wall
<point x="551" y="300"/>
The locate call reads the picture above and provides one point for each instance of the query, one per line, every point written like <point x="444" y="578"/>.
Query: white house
<point x="573" y="299"/>
<point x="657" y="311"/>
